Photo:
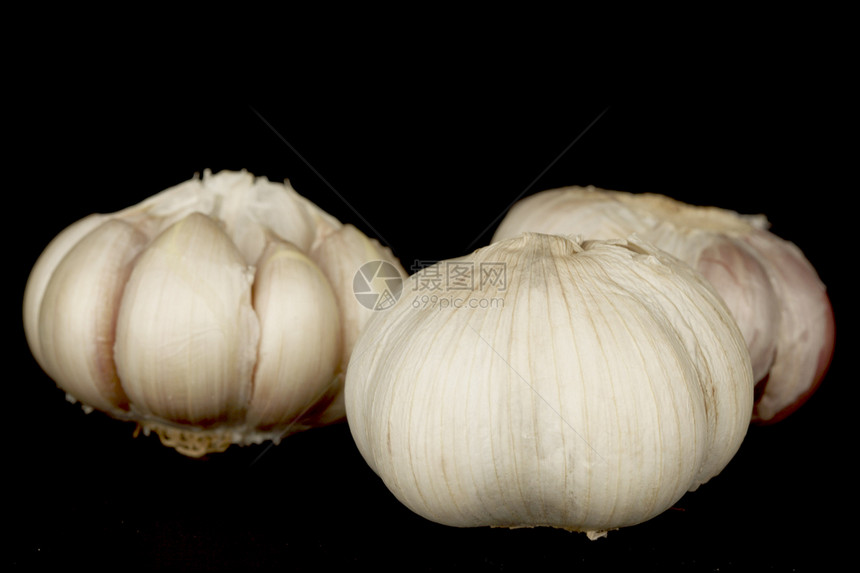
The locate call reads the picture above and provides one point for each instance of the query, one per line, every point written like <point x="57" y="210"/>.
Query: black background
<point x="426" y="159"/>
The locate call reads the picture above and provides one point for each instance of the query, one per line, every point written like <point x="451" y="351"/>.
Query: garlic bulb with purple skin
<point x="219" y="311"/>
<point x="772" y="290"/>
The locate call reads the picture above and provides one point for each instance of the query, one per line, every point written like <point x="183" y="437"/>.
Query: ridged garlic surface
<point x="219" y="311"/>
<point x="773" y="291"/>
<point x="587" y="386"/>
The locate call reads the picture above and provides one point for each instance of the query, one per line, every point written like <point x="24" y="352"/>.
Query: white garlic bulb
<point x="219" y="311"/>
<point x="771" y="288"/>
<point x="584" y="385"/>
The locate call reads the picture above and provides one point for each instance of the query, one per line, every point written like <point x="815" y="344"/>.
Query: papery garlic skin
<point x="773" y="291"/>
<point x="203" y="313"/>
<point x="606" y="381"/>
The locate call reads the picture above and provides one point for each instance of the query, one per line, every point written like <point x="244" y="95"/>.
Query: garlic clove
<point x="340" y="254"/>
<point x="78" y="313"/>
<point x="738" y="274"/>
<point x="299" y="353"/>
<point x="186" y="332"/>
<point x="806" y="338"/>
<point x="41" y="273"/>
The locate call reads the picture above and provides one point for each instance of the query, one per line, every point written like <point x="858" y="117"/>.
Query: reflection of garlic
<point x="771" y="288"/>
<point x="606" y="380"/>
<point x="218" y="311"/>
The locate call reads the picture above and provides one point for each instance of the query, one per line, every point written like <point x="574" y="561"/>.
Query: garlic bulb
<point x="771" y="288"/>
<point x="218" y="311"/>
<point x="584" y="385"/>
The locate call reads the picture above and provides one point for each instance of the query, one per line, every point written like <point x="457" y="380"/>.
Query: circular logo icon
<point x="377" y="285"/>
